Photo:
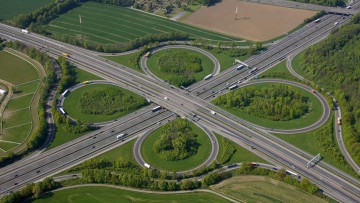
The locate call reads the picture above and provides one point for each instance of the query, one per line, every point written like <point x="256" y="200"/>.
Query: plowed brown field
<point x="255" y="22"/>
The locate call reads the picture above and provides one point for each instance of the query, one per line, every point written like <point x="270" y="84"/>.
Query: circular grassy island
<point x="180" y="67"/>
<point x="278" y="106"/>
<point x="177" y="146"/>
<point x="101" y="102"/>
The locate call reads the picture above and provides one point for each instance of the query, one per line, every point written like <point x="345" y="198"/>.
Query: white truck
<point x="120" y="136"/>
<point x="146" y="165"/>
<point x="24" y="31"/>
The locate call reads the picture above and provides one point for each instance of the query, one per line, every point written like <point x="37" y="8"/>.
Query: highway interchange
<point x="186" y="104"/>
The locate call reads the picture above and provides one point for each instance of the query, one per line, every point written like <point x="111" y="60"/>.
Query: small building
<point x="2" y="91"/>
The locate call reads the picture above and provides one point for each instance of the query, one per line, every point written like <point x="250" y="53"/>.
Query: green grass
<point x="279" y="71"/>
<point x="7" y="146"/>
<point x="19" y="103"/>
<point x="17" y="134"/>
<point x="225" y="60"/>
<point x="107" y="194"/>
<point x="16" y="118"/>
<point x="124" y="60"/>
<point x="15" y="70"/>
<point x="72" y="104"/>
<point x="10" y="9"/>
<point x="296" y="64"/>
<point x="62" y="137"/>
<point x="263" y="189"/>
<point x="206" y="63"/>
<point x="152" y="158"/>
<point x="82" y="76"/>
<point x="310" y="118"/>
<point x="124" y="151"/>
<point x="241" y="154"/>
<point x="26" y="88"/>
<point x="109" y="24"/>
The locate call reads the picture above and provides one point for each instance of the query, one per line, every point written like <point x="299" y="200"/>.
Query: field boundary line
<point x="10" y="112"/>
<point x="2" y="150"/>
<point x="17" y="126"/>
<point x="10" y="142"/>
<point x="16" y="97"/>
<point x="24" y="83"/>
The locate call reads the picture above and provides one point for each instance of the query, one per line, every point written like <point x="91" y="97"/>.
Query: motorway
<point x="184" y="104"/>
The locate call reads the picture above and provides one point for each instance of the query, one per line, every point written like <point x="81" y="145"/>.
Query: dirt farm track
<point x="255" y="22"/>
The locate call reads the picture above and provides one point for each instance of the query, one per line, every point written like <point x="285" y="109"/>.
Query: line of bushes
<point x="38" y="136"/>
<point x="226" y="151"/>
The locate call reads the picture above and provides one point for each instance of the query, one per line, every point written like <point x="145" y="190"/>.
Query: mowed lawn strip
<point x="72" y="104"/>
<point x="19" y="103"/>
<point x="206" y="64"/>
<point x="82" y="76"/>
<point x="241" y="154"/>
<point x="16" y="118"/>
<point x="153" y="158"/>
<point x="16" y="134"/>
<point x="279" y="71"/>
<point x="107" y="24"/>
<point x="262" y="189"/>
<point x="109" y="195"/>
<point x="7" y="145"/>
<point x="124" y="151"/>
<point x="26" y="88"/>
<point x="309" y="118"/>
<point x="124" y="60"/>
<point x="10" y="9"/>
<point x="296" y="64"/>
<point x="12" y="67"/>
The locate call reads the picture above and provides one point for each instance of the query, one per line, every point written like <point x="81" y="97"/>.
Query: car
<point x="336" y="23"/>
<point x="348" y="7"/>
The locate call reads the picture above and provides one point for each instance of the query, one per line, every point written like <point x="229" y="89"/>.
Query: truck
<point x="208" y="77"/>
<point x="66" y="54"/>
<point x="66" y="92"/>
<point x="339" y="121"/>
<point x="86" y="82"/>
<point x="147" y="55"/>
<point x="120" y="136"/>
<point x="233" y="87"/>
<point x="156" y="108"/>
<point x="25" y="31"/>
<point x="62" y="111"/>
<point x="146" y="165"/>
<point x="317" y="20"/>
<point x="253" y="70"/>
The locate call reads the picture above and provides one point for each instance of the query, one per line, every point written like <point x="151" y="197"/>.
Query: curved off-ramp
<point x="212" y="157"/>
<point x="214" y="60"/>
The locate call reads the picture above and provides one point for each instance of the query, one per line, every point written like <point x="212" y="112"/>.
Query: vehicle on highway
<point x="233" y="87"/>
<point x="208" y="77"/>
<point x="25" y="31"/>
<point x="239" y="67"/>
<point x="156" y="108"/>
<point x="253" y="70"/>
<point x="232" y="165"/>
<point x="339" y="121"/>
<point x="86" y="82"/>
<point x="66" y="54"/>
<point x="254" y="164"/>
<point x="66" y="92"/>
<point x="291" y="173"/>
<point x="317" y="20"/>
<point x="146" y="165"/>
<point x="313" y="91"/>
<point x="348" y="7"/>
<point x="147" y="55"/>
<point x="166" y="98"/>
<point x="120" y="136"/>
<point x="62" y="111"/>
<point x="336" y="23"/>
<point x="213" y="112"/>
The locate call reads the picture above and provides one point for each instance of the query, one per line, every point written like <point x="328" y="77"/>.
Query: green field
<point x="19" y="103"/>
<point x="17" y="134"/>
<point x="240" y="155"/>
<point x="16" y="118"/>
<point x="12" y="8"/>
<point x="279" y="71"/>
<point x="296" y="64"/>
<point x="310" y="118"/>
<point x="153" y="158"/>
<point x="206" y="63"/>
<point x="108" y="194"/>
<point x="124" y="151"/>
<point x="11" y="66"/>
<point x="82" y="76"/>
<point x="110" y="24"/>
<point x="262" y="189"/>
<point x="72" y="104"/>
<point x="26" y="88"/>
<point x="124" y="60"/>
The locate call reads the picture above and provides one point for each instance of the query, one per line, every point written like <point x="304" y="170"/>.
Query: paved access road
<point x="334" y="183"/>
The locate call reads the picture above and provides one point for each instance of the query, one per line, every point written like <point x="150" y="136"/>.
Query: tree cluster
<point x="227" y="151"/>
<point x="32" y="191"/>
<point x="333" y="64"/>
<point x="109" y="101"/>
<point x="68" y="72"/>
<point x="36" y="139"/>
<point x="333" y="3"/>
<point x="177" y="141"/>
<point x="277" y="102"/>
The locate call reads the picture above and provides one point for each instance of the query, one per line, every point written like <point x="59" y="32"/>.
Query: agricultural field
<point x="314" y="114"/>
<point x="109" y="194"/>
<point x="111" y="102"/>
<point x="254" y="22"/>
<point x="10" y="9"/>
<point x="180" y="67"/>
<point x="16" y="120"/>
<point x="262" y="189"/>
<point x="111" y="24"/>
<point x="153" y="158"/>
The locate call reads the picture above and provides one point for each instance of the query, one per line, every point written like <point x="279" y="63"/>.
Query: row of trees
<point x="69" y="75"/>
<point x="109" y="101"/>
<point x="332" y="64"/>
<point x="177" y="141"/>
<point x="38" y="136"/>
<point x="324" y="2"/>
<point x="227" y="151"/>
<point x="276" y="102"/>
